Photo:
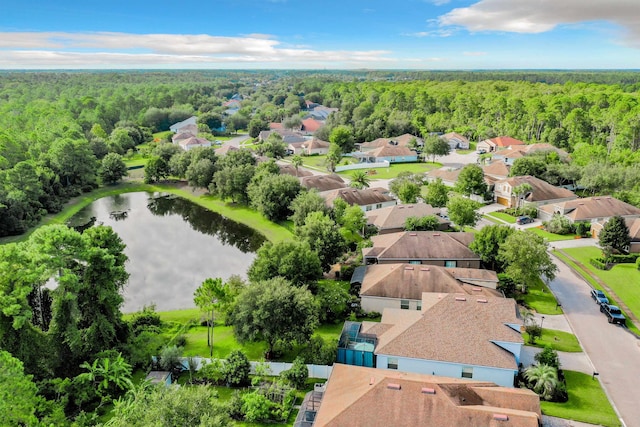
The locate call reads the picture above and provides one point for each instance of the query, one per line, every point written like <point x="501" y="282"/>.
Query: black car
<point x="613" y="313"/>
<point x="599" y="296"/>
<point x="524" y="220"/>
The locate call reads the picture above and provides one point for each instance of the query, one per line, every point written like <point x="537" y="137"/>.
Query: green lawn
<point x="558" y="340"/>
<point x="550" y="236"/>
<point x="587" y="402"/>
<point x="502" y="216"/>
<point x="491" y="219"/>
<point x="318" y="163"/>
<point x="623" y="279"/>
<point x="540" y="299"/>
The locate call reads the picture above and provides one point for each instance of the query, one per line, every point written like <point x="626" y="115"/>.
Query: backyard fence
<point x="272" y="368"/>
<point x="383" y="164"/>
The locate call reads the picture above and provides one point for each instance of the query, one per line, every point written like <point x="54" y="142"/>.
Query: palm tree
<point x="544" y="379"/>
<point x="108" y="374"/>
<point x="211" y="294"/>
<point x="520" y="192"/>
<point x="360" y="179"/>
<point x="296" y="161"/>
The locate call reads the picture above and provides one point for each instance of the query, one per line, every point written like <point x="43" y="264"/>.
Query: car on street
<point x="599" y="296"/>
<point x="524" y="220"/>
<point x="613" y="313"/>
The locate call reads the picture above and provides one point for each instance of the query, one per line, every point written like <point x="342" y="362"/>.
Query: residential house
<point x="541" y="192"/>
<point x="224" y="150"/>
<point x="315" y="146"/>
<point x="598" y="209"/>
<point x="497" y="170"/>
<point x="423" y="247"/>
<point x="296" y="147"/>
<point x="391" y="154"/>
<point x="402" y="285"/>
<point x="363" y="397"/>
<point x="368" y="198"/>
<point x="455" y="140"/>
<point x="193" y="142"/>
<point x="508" y="156"/>
<point x="289" y="169"/>
<point x="311" y="125"/>
<point x="392" y="219"/>
<point x="455" y="335"/>
<point x="493" y="144"/>
<point x="633" y="224"/>
<point x="323" y="183"/>
<point x="177" y="127"/>
<point x="399" y="141"/>
<point x="186" y="133"/>
<point x="288" y="136"/>
<point x="448" y="176"/>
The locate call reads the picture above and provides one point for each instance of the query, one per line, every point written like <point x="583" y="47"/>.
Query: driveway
<point x="614" y="352"/>
<point x="455" y="160"/>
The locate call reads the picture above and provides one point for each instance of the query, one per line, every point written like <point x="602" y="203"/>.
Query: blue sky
<point x="296" y="34"/>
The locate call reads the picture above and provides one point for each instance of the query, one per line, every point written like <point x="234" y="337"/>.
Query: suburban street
<point x="614" y="352"/>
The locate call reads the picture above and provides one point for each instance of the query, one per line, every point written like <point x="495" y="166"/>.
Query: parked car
<point x="613" y="313"/>
<point x="481" y="151"/>
<point x="599" y="296"/>
<point x="524" y="220"/>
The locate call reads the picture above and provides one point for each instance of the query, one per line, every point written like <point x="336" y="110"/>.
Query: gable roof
<point x="177" y="126"/>
<point x="496" y="169"/>
<point x="391" y="151"/>
<point x="456" y="329"/>
<point x="194" y="141"/>
<point x="446" y="175"/>
<point x="592" y="207"/>
<point x="398" y="141"/>
<point x="362" y="397"/>
<point x="315" y="143"/>
<point x="222" y="151"/>
<point x="311" y="125"/>
<point x="182" y="135"/>
<point x="288" y="169"/>
<point x="432" y="245"/>
<point x="356" y="196"/>
<point x="505" y="141"/>
<point x="540" y="190"/>
<point x="392" y="217"/>
<point x="454" y="136"/>
<point x="408" y="281"/>
<point x="323" y="182"/>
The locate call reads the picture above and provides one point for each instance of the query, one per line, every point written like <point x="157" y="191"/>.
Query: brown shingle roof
<point x="323" y="182"/>
<point x="395" y="216"/>
<point x="315" y="143"/>
<point x="407" y="281"/>
<point x="291" y="170"/>
<point x="361" y="397"/>
<point x="592" y="208"/>
<point x="421" y="245"/>
<point x="496" y="169"/>
<point x="222" y="151"/>
<point x="398" y="141"/>
<point x="194" y="141"/>
<point x="457" y="331"/>
<point x="455" y="136"/>
<point x="506" y="141"/>
<point x="541" y="190"/>
<point x="391" y="151"/>
<point x="354" y="196"/>
<point x="447" y="175"/>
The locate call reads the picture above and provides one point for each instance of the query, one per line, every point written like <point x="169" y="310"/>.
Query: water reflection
<point x="172" y="245"/>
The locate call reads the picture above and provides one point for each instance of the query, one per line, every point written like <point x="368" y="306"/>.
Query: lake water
<point x="173" y="245"/>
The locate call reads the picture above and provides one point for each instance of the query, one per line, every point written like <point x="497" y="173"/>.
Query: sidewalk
<point x="570" y="361"/>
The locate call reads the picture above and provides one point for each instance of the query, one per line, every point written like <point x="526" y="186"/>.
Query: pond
<point x="173" y="245"/>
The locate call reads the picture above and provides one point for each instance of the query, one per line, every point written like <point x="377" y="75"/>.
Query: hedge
<point x="599" y="263"/>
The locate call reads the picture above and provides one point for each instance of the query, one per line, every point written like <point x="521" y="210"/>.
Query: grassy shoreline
<point x="242" y="214"/>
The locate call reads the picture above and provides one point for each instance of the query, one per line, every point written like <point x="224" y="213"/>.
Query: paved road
<point x="614" y="352"/>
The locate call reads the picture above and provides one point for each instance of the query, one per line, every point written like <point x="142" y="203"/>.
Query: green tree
<point x="235" y="370"/>
<point x="437" y="194"/>
<point x="463" y="211"/>
<point x="257" y="125"/>
<point x="298" y="373"/>
<point x="210" y="296"/>
<point x="544" y="380"/>
<point x="614" y="236"/>
<point x="486" y="243"/>
<point x="360" y="179"/>
<point x="18" y="393"/>
<point x="548" y="356"/>
<point x="435" y="146"/>
<point x="305" y="203"/>
<point x="529" y="165"/>
<point x="342" y="136"/>
<point x="408" y="192"/>
<point x="526" y="258"/>
<point x="425" y="223"/>
<point x="324" y="237"/>
<point x="333" y="299"/>
<point x="113" y="168"/>
<point x="200" y="173"/>
<point x="521" y="191"/>
<point x="276" y="312"/>
<point x="297" y="161"/>
<point x="273" y="147"/>
<point x="273" y="195"/>
<point x="333" y="157"/>
<point x="352" y="222"/>
<point x="295" y="261"/>
<point x="108" y="375"/>
<point x="471" y="181"/>
<point x="232" y="182"/>
<point x="156" y="170"/>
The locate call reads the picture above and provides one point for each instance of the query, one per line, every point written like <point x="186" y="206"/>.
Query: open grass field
<point x="319" y="163"/>
<point x="587" y="402"/>
<point x="558" y="340"/>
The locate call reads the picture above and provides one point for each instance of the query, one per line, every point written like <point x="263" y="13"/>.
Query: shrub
<point x="598" y="263"/>
<point x="346" y="271"/>
<point x="534" y="331"/>
<point x="170" y="358"/>
<point x="559" y="224"/>
<point x="548" y="356"/>
<point x="256" y="407"/>
<point x="145" y="318"/>
<point x="234" y="406"/>
<point x="296" y="375"/>
<point x="506" y="285"/>
<point x="583" y="229"/>
<point x="320" y="352"/>
<point x="622" y="259"/>
<point x="212" y="372"/>
<point x="180" y="340"/>
<point x="235" y="371"/>
<point x="638" y="263"/>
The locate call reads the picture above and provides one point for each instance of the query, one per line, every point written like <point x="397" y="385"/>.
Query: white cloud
<point x="529" y="16"/>
<point x="121" y="50"/>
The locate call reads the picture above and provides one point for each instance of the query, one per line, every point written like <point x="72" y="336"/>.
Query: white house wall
<point x="378" y="304"/>
<point x="500" y="376"/>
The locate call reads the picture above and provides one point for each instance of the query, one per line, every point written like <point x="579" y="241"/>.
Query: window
<point x="368" y="208"/>
<point x="379" y="206"/>
<point x="419" y="306"/>
<point x="404" y="304"/>
<point x="392" y="363"/>
<point x="450" y="264"/>
<point x="467" y="372"/>
<point x="415" y="262"/>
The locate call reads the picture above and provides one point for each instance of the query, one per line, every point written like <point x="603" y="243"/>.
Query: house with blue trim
<point x="389" y="153"/>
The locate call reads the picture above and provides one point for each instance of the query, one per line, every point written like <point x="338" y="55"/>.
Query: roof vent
<point x="427" y="390"/>
<point x="483" y="300"/>
<point x="394" y="386"/>
<point x="413" y="234"/>
<point x="476" y="289"/>
<point x="372" y="380"/>
<point x="501" y="417"/>
<point x="408" y="267"/>
<point x="424" y="269"/>
<point x="400" y="207"/>
<point x="436" y="234"/>
<point x="410" y="206"/>
<point x="461" y="299"/>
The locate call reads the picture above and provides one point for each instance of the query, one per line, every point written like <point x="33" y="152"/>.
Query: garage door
<point x="503" y="201"/>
